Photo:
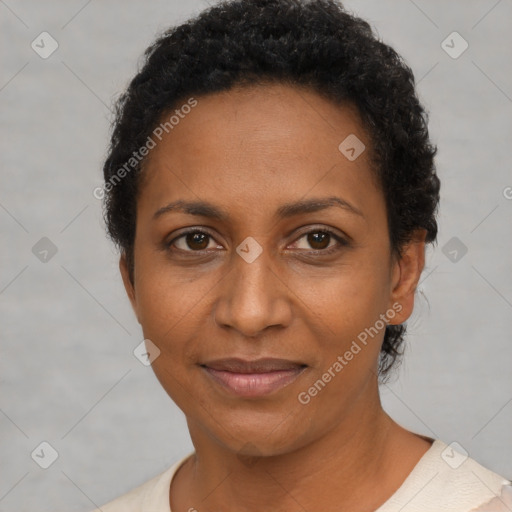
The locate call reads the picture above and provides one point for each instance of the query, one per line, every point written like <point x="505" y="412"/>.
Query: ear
<point x="128" y="284"/>
<point x="406" y="273"/>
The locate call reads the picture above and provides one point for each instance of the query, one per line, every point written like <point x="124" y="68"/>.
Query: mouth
<point x="253" y="378"/>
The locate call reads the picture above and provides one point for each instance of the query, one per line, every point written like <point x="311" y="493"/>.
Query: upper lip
<point x="264" y="365"/>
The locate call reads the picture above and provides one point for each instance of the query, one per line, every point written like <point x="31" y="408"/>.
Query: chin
<point x="260" y="439"/>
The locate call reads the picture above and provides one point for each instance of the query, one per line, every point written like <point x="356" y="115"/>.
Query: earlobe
<point x="406" y="274"/>
<point x="127" y="281"/>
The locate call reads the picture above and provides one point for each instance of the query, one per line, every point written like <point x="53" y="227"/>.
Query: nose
<point x="253" y="297"/>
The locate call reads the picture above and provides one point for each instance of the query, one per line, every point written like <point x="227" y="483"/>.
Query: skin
<point x="249" y="151"/>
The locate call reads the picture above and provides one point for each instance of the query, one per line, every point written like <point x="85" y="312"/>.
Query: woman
<point x="271" y="186"/>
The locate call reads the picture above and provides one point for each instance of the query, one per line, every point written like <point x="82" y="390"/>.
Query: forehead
<point x="265" y="143"/>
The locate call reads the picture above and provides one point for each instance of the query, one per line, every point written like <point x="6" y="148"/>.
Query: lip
<point x="253" y="378"/>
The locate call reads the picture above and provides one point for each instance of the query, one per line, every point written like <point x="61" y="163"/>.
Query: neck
<point x="337" y="470"/>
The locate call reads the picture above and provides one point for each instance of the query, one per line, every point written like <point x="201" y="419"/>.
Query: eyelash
<point x="341" y="241"/>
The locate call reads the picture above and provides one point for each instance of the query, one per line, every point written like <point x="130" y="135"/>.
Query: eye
<point x="197" y="240"/>
<point x="194" y="240"/>
<point x="319" y="240"/>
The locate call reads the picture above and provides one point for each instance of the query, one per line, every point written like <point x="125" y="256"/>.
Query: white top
<point x="444" y="479"/>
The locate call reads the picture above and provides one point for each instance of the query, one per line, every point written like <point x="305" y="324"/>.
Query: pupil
<point x="197" y="238"/>
<point x="314" y="239"/>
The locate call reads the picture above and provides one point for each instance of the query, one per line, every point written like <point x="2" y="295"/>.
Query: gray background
<point x="68" y="374"/>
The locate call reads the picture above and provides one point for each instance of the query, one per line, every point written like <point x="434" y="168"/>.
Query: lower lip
<point x="254" y="384"/>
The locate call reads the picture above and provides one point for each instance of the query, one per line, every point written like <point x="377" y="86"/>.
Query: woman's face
<point x="263" y="279"/>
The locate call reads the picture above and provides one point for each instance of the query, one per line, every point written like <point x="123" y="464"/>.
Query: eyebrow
<point x="205" y="209"/>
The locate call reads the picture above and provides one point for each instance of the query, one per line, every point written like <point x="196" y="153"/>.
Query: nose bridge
<point x="253" y="297"/>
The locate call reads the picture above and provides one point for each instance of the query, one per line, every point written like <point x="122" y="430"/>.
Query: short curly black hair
<point x="310" y="43"/>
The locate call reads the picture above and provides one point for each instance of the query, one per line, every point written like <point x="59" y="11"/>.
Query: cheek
<point x="174" y="308"/>
<point x="348" y="345"/>
<point x="348" y="298"/>
<point x="159" y="310"/>
<point x="350" y="305"/>
<point x="167" y="297"/>
<point x="169" y="314"/>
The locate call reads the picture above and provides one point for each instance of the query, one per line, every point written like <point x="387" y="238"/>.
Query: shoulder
<point x="152" y="495"/>
<point x="447" y="478"/>
<point x="133" y="500"/>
